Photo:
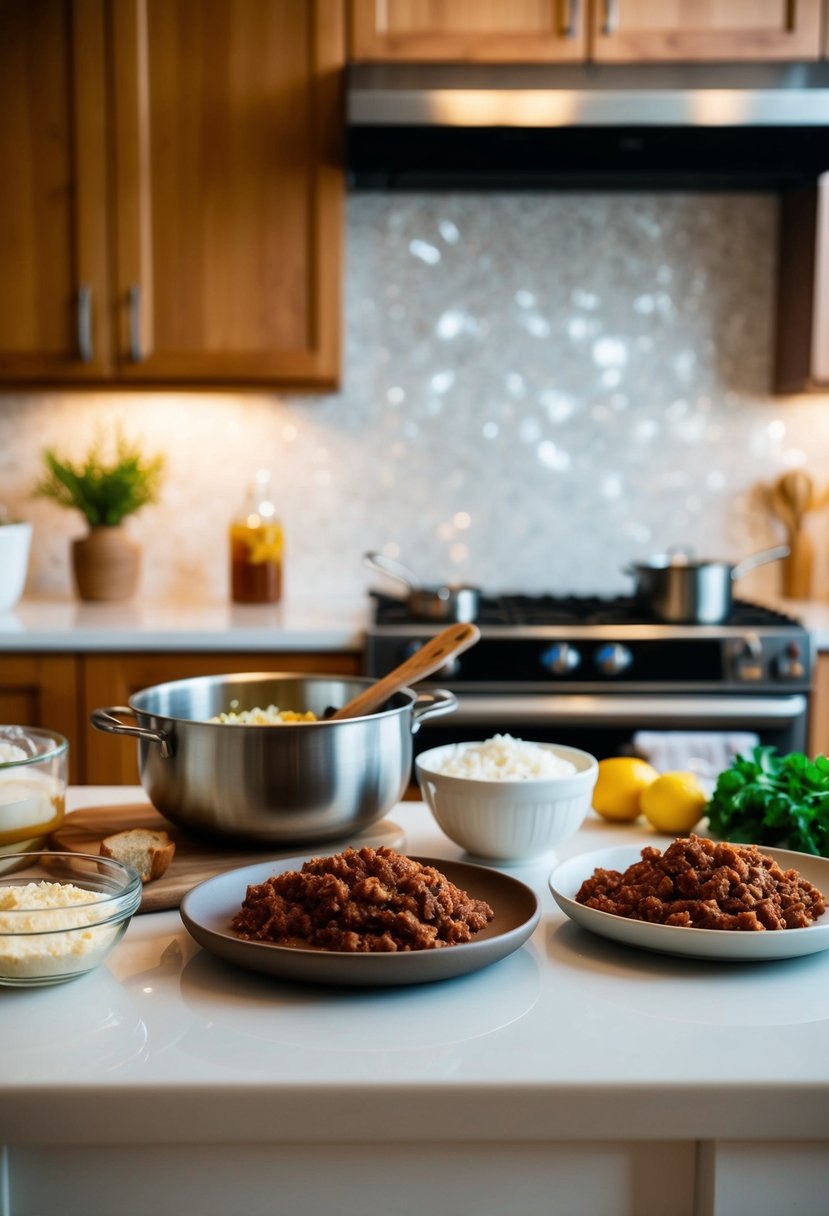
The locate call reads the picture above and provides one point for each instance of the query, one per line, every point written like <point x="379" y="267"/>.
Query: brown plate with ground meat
<point x="736" y="945"/>
<point x="210" y="908"/>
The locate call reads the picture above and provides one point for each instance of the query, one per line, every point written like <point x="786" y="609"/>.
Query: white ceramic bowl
<point x="15" y="542"/>
<point x="48" y="945"/>
<point x="508" y="820"/>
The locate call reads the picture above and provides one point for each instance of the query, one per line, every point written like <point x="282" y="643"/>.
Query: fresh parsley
<point x="768" y="799"/>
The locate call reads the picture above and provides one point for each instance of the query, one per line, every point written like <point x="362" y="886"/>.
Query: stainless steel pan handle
<point x="432" y="703"/>
<point x="392" y="569"/>
<point x="106" y="721"/>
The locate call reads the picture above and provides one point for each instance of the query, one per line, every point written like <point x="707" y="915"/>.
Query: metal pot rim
<point x="409" y="696"/>
<point x="669" y="561"/>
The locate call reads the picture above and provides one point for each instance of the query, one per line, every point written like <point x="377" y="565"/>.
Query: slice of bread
<point x="148" y="851"/>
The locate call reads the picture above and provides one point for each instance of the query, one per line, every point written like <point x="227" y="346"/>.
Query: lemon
<point x="674" y="803"/>
<point x="619" y="787"/>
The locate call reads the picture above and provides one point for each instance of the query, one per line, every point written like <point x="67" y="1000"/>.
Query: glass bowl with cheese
<point x="32" y="788"/>
<point x="61" y="914"/>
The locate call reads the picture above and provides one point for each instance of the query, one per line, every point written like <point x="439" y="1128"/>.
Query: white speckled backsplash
<point x="538" y="388"/>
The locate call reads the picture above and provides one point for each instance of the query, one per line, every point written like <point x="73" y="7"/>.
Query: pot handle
<point x="432" y="704"/>
<point x="392" y="569"/>
<point x="759" y="559"/>
<point x="105" y="720"/>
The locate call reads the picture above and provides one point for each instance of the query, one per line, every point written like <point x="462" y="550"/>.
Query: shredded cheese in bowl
<point x="49" y="929"/>
<point x="503" y="758"/>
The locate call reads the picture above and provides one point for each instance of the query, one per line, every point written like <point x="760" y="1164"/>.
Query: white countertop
<point x="571" y="1037"/>
<point x="70" y="625"/>
<point x="148" y="625"/>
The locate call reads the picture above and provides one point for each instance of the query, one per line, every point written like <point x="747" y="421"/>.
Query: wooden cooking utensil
<point x="791" y="499"/>
<point x="428" y="659"/>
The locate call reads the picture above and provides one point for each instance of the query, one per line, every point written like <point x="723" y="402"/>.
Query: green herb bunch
<point x="104" y="492"/>
<point x="768" y="799"/>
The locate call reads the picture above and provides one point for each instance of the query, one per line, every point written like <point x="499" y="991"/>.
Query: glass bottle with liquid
<point x="256" y="547"/>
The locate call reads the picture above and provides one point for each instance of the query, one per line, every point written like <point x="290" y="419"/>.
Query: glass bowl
<point x="61" y="914"/>
<point x="32" y="788"/>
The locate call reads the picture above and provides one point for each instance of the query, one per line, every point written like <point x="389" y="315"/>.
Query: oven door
<point x="605" y="725"/>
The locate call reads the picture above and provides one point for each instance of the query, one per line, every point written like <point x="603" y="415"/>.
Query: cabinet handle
<point x="85" y="322"/>
<point x="136" y="353"/>
<point x="568" y="25"/>
<point x="820" y="302"/>
<point x="611" y="18"/>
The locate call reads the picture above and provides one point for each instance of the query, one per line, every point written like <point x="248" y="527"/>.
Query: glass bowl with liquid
<point x="32" y="788"/>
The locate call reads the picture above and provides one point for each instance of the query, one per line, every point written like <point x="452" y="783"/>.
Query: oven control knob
<point x="560" y="658"/>
<point x="789" y="666"/>
<point x="613" y="659"/>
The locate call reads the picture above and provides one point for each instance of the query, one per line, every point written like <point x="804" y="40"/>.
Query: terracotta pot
<point x="106" y="564"/>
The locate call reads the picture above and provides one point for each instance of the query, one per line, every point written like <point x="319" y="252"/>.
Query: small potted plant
<point x="106" y="562"/>
<point x="15" y="541"/>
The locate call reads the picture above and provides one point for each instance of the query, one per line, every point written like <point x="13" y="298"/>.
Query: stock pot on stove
<point x="452" y="602"/>
<point x="677" y="588"/>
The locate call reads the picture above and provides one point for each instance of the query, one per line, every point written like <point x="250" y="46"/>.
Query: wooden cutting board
<point x="194" y="860"/>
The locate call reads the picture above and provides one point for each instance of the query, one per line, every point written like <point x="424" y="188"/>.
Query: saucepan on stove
<point x="678" y="588"/>
<point x="452" y="602"/>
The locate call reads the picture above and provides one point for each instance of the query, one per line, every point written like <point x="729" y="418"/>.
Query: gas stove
<point x="585" y="643"/>
<point x="599" y="674"/>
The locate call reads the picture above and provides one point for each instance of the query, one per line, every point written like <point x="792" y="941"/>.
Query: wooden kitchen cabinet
<point x="801" y="352"/>
<point x="467" y="31"/>
<point x="172" y="207"/>
<point x="59" y="692"/>
<point x="43" y="690"/>
<point x="111" y="679"/>
<point x="819" y="708"/>
<point x="601" y="31"/>
<point x="53" y="206"/>
<point x="639" y="31"/>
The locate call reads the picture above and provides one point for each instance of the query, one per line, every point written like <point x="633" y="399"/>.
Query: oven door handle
<point x="628" y="709"/>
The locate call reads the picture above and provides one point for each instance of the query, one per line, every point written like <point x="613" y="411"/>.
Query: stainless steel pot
<point x="295" y="783"/>
<point x="442" y="603"/>
<point x="677" y="588"/>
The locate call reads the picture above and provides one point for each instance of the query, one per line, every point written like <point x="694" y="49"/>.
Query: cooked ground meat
<point x="705" y="885"/>
<point x="362" y="900"/>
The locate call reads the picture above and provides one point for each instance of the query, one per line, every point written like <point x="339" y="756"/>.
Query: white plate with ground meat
<point x="210" y="908"/>
<point x="736" y="945"/>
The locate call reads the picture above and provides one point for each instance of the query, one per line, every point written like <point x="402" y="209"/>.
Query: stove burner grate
<point x="525" y="611"/>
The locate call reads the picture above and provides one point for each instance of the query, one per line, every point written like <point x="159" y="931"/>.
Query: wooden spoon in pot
<point x="431" y="656"/>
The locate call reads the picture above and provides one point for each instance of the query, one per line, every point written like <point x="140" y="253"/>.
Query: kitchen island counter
<point x="574" y="1076"/>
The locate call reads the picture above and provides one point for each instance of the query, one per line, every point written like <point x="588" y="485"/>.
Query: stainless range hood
<point x="734" y="126"/>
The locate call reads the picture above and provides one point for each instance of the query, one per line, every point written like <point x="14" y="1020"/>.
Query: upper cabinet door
<point x="468" y="31"/>
<point x="54" y="318"/>
<point x="228" y="190"/>
<point x="171" y="210"/>
<point x="638" y="31"/>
